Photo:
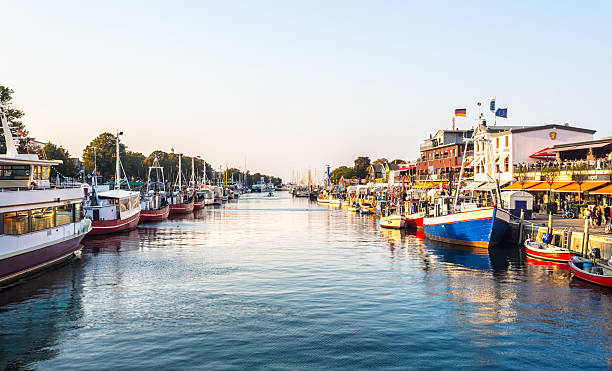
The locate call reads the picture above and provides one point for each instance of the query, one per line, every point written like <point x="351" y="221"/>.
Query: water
<point x="282" y="283"/>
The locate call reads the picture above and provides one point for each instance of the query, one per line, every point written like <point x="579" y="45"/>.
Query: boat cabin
<point x="112" y="205"/>
<point x="25" y="172"/>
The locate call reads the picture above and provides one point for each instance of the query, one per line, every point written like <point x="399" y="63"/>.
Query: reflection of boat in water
<point x="117" y="242"/>
<point x="43" y="311"/>
<point x="417" y="234"/>
<point x="546" y="263"/>
<point x="466" y="256"/>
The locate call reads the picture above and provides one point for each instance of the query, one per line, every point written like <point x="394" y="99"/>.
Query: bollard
<point x="585" y="237"/>
<point x="550" y="223"/>
<point x="521" y="221"/>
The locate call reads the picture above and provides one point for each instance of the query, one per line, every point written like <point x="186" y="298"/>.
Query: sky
<point x="289" y="86"/>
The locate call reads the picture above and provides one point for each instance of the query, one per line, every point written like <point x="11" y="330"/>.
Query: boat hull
<point x="553" y="256"/>
<point x="415" y="220"/>
<point x="605" y="281"/>
<point x="22" y="265"/>
<point x="198" y="205"/>
<point x="393" y="222"/>
<point x="181" y="208"/>
<point x="115" y="225"/>
<point x="154" y="215"/>
<point x="482" y="227"/>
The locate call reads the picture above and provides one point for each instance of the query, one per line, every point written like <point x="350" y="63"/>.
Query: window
<point x="497" y="142"/>
<point x="42" y="218"/>
<point x="134" y="201"/>
<point x="64" y="215"/>
<point x="16" y="222"/>
<point x="78" y="212"/>
<point x="506" y="139"/>
<point x="124" y="204"/>
<point x="14" y="172"/>
<point x="506" y="163"/>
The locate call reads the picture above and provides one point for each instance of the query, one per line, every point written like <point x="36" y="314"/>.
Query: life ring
<point x="33" y="185"/>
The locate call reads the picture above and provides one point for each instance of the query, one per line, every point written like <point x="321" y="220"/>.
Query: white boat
<point x="39" y="225"/>
<point x="115" y="210"/>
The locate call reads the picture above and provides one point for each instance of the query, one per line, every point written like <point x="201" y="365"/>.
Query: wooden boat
<point x="353" y="209"/>
<point x="335" y="202"/>
<point x="548" y="252"/>
<point x="593" y="272"/>
<point x="395" y="221"/>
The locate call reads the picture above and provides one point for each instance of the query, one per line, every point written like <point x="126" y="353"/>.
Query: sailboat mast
<point x="180" y="173"/>
<point x="117" y="171"/>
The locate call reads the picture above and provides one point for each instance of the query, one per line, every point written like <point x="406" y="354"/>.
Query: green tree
<point x="134" y="165"/>
<point x="398" y="162"/>
<point x="380" y="161"/>
<point x="360" y="170"/>
<point x="14" y="116"/>
<point x="104" y="145"/>
<point x="339" y="172"/>
<point x="51" y="151"/>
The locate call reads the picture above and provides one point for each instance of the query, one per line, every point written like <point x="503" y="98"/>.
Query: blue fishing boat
<point x="472" y="226"/>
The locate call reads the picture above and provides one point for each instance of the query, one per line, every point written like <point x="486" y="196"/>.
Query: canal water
<point x="284" y="283"/>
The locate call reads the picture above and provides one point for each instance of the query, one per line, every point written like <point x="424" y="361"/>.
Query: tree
<point x="380" y="161"/>
<point x="550" y="176"/>
<point x="360" y="170"/>
<point x="104" y="145"/>
<point x="339" y="172"/>
<point x="51" y="151"/>
<point x="134" y="165"/>
<point x="398" y="162"/>
<point x="14" y="116"/>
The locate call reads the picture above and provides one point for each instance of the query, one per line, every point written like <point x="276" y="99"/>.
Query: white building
<point x="501" y="147"/>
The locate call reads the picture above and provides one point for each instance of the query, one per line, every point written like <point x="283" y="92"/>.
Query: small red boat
<point x="197" y="205"/>
<point x="415" y="220"/>
<point x="547" y="252"/>
<point x="181" y="208"/>
<point x="155" y="214"/>
<point x="115" y="225"/>
<point x="589" y="271"/>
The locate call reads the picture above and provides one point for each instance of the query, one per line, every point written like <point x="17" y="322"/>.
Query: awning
<point x="422" y="185"/>
<point x="584" y="146"/>
<point x="607" y="190"/>
<point x="472" y="186"/>
<point x="543" y="154"/>
<point x="586" y="186"/>
<point x="543" y="186"/>
<point x="519" y="186"/>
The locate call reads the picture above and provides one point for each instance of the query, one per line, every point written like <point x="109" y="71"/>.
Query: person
<point x="587" y="214"/>
<point x="598" y="214"/>
<point x="606" y="213"/>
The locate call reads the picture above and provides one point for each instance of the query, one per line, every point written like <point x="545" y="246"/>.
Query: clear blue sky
<point x="291" y="85"/>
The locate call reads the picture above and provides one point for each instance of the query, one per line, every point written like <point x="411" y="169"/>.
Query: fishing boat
<point x="180" y="201"/>
<point x="547" y="251"/>
<point x="40" y="226"/>
<point x="115" y="210"/>
<point x="218" y="195"/>
<point x="415" y="220"/>
<point x="153" y="203"/>
<point x="198" y="195"/>
<point x="591" y="271"/>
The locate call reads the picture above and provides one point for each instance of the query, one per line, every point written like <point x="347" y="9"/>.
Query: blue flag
<point x="502" y="112"/>
<point x="493" y="105"/>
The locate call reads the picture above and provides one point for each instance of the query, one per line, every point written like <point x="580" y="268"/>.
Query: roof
<point x="527" y="128"/>
<point x="543" y="153"/>
<point x="27" y="159"/>
<point x="543" y="186"/>
<point x="607" y="190"/>
<point x="597" y="143"/>
<point x="117" y="193"/>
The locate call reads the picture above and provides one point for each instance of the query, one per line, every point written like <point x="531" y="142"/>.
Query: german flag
<point x="460" y="112"/>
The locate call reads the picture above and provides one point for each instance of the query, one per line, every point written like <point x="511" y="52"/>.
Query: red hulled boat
<point x="547" y="252"/>
<point x="181" y="208"/>
<point x="415" y="220"/>
<point x="155" y="215"/>
<point x="589" y="271"/>
<point x="153" y="204"/>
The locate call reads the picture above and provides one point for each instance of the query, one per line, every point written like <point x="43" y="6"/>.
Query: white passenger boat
<point x="39" y="225"/>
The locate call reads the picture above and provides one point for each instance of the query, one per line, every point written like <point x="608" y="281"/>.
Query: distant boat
<point x="153" y="203"/>
<point x="180" y="201"/>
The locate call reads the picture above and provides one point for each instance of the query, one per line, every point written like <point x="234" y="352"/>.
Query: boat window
<point x="78" y="212"/>
<point x="16" y="222"/>
<point x="37" y="172"/>
<point x="42" y="218"/>
<point x="135" y="202"/>
<point x="64" y="215"/>
<point x="124" y="204"/>
<point x="14" y="172"/>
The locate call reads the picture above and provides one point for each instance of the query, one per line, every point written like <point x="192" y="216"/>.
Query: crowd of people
<point x="598" y="214"/>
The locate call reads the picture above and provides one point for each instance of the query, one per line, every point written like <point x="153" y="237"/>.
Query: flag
<point x="21" y="133"/>
<point x="493" y="105"/>
<point x="502" y="112"/>
<point x="460" y="112"/>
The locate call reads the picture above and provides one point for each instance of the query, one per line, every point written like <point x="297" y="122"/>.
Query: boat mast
<point x="11" y="149"/>
<point x="117" y="170"/>
<point x="180" y="172"/>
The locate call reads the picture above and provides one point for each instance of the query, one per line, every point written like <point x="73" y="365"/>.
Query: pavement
<point x="576" y="225"/>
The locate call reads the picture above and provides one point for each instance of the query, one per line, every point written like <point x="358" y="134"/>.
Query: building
<point x="442" y="153"/>
<point x="502" y="147"/>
